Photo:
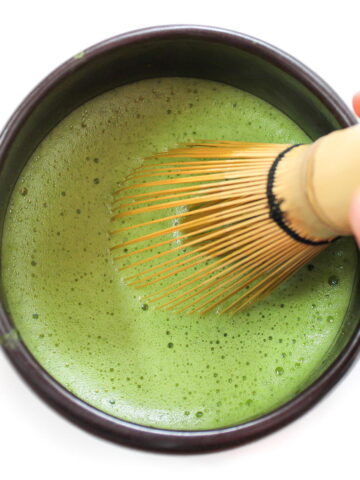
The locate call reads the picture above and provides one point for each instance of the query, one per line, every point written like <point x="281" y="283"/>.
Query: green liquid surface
<point x="93" y="333"/>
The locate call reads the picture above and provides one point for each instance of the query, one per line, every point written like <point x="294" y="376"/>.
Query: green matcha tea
<point x="95" y="334"/>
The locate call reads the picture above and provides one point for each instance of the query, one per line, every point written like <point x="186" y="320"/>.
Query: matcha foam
<point x="96" y="335"/>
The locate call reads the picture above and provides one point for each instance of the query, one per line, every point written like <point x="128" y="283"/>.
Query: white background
<point x="35" y="37"/>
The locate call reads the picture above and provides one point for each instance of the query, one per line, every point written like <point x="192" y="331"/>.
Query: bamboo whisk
<point x="227" y="222"/>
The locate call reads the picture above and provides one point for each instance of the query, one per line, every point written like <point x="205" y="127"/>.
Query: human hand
<point x="355" y="205"/>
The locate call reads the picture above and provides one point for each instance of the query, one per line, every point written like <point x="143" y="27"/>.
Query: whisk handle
<point x="333" y="177"/>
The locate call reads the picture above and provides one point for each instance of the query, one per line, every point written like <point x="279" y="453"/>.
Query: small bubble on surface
<point x="333" y="281"/>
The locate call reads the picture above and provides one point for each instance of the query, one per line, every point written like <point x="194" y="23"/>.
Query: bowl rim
<point x="93" y="419"/>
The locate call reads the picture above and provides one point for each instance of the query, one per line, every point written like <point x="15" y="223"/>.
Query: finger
<point x="354" y="217"/>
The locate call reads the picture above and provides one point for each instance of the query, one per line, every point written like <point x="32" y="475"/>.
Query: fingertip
<point x="356" y="103"/>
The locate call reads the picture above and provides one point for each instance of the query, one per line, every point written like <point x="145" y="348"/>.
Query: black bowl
<point x="188" y="51"/>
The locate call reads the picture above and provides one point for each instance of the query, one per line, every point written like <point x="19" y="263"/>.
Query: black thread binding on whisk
<point x="274" y="205"/>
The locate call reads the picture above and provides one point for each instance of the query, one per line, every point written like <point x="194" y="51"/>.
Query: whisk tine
<point x="232" y="237"/>
<point x="222" y="150"/>
<point x="201" y="210"/>
<point x="219" y="245"/>
<point x="220" y="192"/>
<point x="179" y="190"/>
<point x="225" y="246"/>
<point x="271" y="282"/>
<point x="233" y="257"/>
<point x="242" y="278"/>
